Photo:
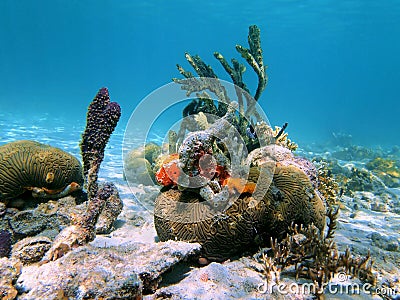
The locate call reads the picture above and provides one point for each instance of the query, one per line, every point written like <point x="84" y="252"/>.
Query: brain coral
<point x="28" y="165"/>
<point x="290" y="198"/>
<point x="221" y="236"/>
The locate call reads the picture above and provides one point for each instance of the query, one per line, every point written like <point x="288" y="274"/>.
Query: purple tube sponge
<point x="5" y="243"/>
<point x="102" y="118"/>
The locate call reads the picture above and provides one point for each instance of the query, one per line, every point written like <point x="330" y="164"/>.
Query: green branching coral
<point x="208" y="80"/>
<point x="254" y="58"/>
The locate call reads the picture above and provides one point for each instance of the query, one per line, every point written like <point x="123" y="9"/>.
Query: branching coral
<point x="208" y="80"/>
<point x="315" y="257"/>
<point x="327" y="185"/>
<point x="315" y="254"/>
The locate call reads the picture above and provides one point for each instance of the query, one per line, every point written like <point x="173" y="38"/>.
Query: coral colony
<point x="295" y="204"/>
<point x="48" y="173"/>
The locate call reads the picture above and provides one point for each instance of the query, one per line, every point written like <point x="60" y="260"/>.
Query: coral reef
<point x="221" y="236"/>
<point x="46" y="171"/>
<point x="139" y="164"/>
<point x="315" y="257"/>
<point x="208" y="80"/>
<point x="151" y="152"/>
<point x="213" y="193"/>
<point x="327" y="185"/>
<point x="386" y="169"/>
<point x="355" y="153"/>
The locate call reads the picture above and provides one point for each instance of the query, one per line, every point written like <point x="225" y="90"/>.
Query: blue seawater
<point x="333" y="66"/>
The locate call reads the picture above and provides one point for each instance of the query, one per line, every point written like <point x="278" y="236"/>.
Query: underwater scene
<point x="199" y="150"/>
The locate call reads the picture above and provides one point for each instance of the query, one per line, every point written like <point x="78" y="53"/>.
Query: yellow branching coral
<point x="327" y="185"/>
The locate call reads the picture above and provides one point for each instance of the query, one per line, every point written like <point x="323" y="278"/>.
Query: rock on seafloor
<point x="31" y="249"/>
<point x="116" y="272"/>
<point x="9" y="271"/>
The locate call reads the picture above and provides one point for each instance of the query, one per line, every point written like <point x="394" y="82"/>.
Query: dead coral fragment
<point x="31" y="249"/>
<point x="111" y="210"/>
<point x="83" y="227"/>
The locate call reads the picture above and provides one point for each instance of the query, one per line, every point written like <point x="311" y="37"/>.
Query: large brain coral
<point x="46" y="171"/>
<point x="221" y="236"/>
<point x="290" y="198"/>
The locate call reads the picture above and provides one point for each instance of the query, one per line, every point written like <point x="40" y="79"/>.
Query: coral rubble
<point x="31" y="249"/>
<point x="46" y="171"/>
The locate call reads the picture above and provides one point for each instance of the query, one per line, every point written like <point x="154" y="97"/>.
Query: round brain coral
<point x="46" y="171"/>
<point x="291" y="197"/>
<point x="221" y="236"/>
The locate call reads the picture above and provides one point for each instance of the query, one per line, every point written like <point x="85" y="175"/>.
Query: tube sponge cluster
<point x="102" y="118"/>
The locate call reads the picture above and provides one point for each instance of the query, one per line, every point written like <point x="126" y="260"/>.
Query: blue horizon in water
<point x="332" y="67"/>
